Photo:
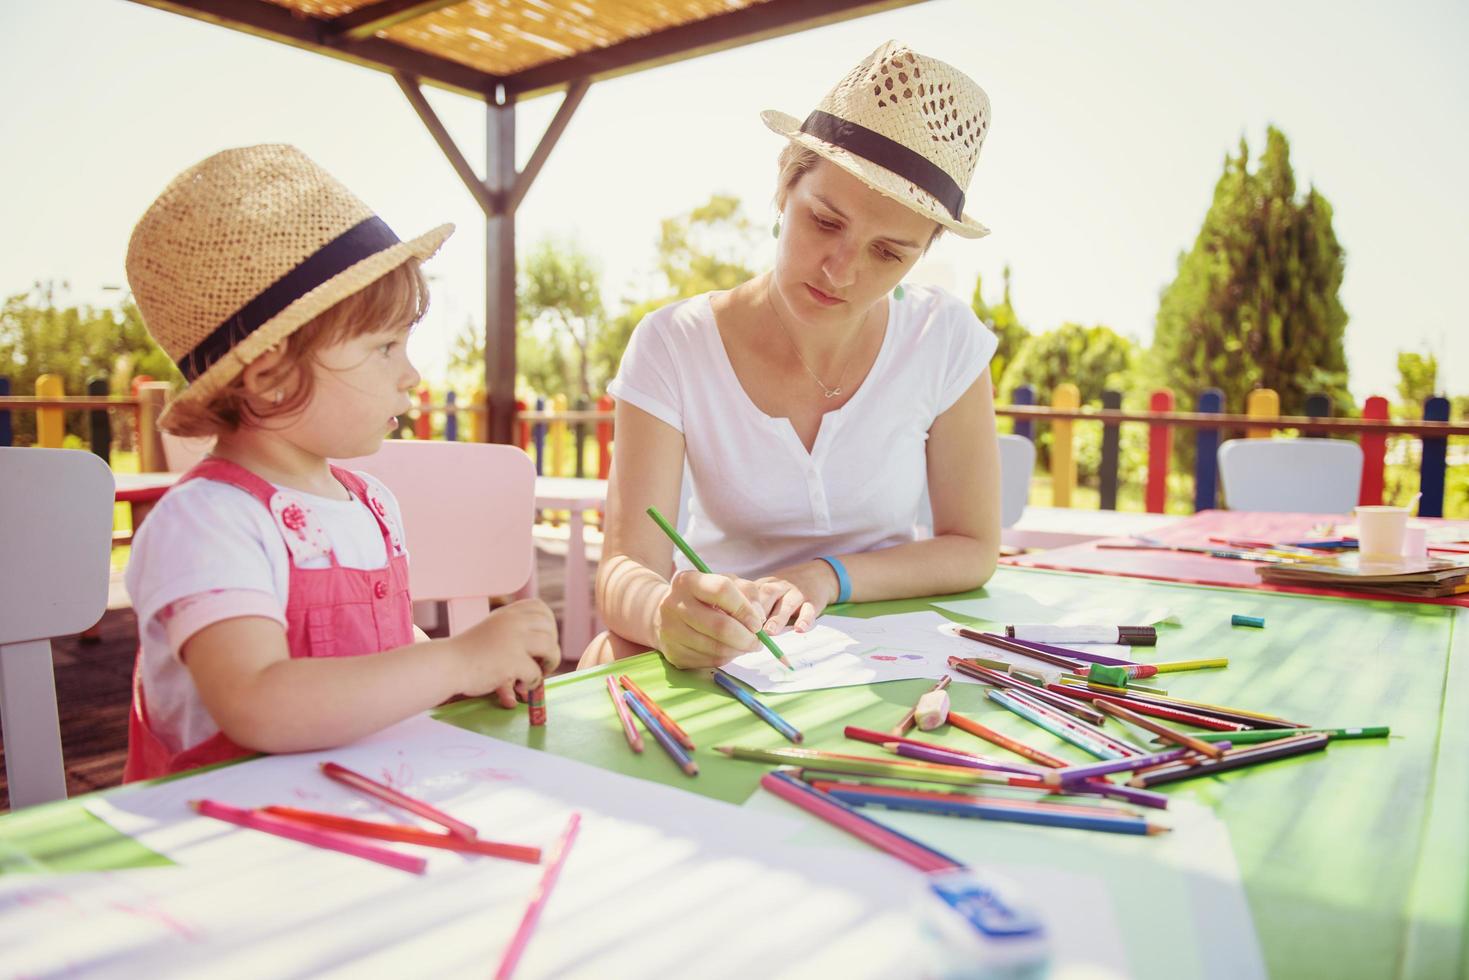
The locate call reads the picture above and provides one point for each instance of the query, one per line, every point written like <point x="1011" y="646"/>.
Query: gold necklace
<point x="829" y="392"/>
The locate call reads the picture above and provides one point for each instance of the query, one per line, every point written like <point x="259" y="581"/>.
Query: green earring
<point x="775" y="229"/>
<point x="898" y="291"/>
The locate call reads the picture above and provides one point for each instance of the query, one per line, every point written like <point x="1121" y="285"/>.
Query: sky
<point x="1111" y="122"/>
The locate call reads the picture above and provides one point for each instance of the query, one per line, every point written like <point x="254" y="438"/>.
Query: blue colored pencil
<point x="988" y="811"/>
<point x="761" y="711"/>
<point x="660" y="734"/>
<point x="1084" y="742"/>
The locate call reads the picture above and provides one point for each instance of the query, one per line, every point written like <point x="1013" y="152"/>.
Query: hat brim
<point x="305" y="309"/>
<point x="879" y="178"/>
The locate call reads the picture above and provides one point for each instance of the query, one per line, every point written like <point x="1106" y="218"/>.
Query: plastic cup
<point x="1380" y="531"/>
<point x="1415" y="540"/>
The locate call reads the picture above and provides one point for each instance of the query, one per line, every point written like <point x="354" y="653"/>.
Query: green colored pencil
<point x="1270" y="734"/>
<point x="698" y="563"/>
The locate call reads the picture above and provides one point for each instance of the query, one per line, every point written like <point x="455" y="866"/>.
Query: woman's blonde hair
<point x="794" y="162"/>
<point x="399" y="298"/>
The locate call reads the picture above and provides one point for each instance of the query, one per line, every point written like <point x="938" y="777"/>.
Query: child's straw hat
<point x="247" y="246"/>
<point x="908" y="126"/>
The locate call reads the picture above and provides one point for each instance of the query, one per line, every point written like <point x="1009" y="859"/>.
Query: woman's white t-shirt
<point x="760" y="501"/>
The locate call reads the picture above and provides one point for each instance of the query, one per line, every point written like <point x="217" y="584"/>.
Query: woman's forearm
<point x="628" y="596"/>
<point x="942" y="565"/>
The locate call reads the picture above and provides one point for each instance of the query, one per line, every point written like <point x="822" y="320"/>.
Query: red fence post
<point x="1374" y="453"/>
<point x="423" y="425"/>
<point x="1160" y="447"/>
<point x="604" y="438"/>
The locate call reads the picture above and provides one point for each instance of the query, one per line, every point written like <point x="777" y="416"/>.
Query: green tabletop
<point x="1353" y="861"/>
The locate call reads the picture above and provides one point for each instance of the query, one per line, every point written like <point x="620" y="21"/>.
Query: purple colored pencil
<point x="1056" y="651"/>
<point x="1234" y="759"/>
<point x="925" y="754"/>
<point x="1077" y="774"/>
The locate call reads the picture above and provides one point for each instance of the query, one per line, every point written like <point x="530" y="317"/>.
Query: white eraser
<point x="932" y="710"/>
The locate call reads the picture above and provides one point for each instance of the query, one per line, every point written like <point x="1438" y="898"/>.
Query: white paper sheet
<point x="1064" y="601"/>
<point x="659" y="883"/>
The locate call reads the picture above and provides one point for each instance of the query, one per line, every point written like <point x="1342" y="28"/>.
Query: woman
<point x="812" y="405"/>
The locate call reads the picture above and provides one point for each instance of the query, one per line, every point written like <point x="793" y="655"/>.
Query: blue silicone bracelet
<point x="844" y="584"/>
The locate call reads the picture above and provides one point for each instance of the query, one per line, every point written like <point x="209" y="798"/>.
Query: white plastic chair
<point x="467" y="514"/>
<point x="1017" y="462"/>
<point x="1312" y="476"/>
<point x="55" y="550"/>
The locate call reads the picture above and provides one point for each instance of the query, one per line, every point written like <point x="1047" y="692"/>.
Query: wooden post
<point x="1374" y="453"/>
<point x="1063" y="450"/>
<point x="604" y="438"/>
<point x="50" y="422"/>
<point x="479" y="419"/>
<point x="1110" y="445"/>
<point x="451" y="417"/>
<point x="100" y="422"/>
<point x="151" y="397"/>
<point x="1160" y="448"/>
<point x="7" y="434"/>
<point x="557" y="438"/>
<point x="1318" y="406"/>
<point x="1024" y="395"/>
<point x="1206" y="454"/>
<point x="581" y="438"/>
<point x="1432" y="471"/>
<point x="1262" y="403"/>
<point x="522" y="427"/>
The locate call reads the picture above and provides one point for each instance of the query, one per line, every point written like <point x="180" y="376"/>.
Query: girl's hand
<point x="510" y="652"/>
<point x="801" y="593"/>
<point x="708" y="620"/>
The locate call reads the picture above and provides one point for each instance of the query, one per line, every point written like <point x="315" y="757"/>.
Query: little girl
<point x="271" y="587"/>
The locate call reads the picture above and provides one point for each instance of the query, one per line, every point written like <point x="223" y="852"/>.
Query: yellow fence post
<point x="1262" y="403"/>
<point x="50" y="422"/>
<point x="556" y="436"/>
<point x="151" y="398"/>
<point x="1063" y="455"/>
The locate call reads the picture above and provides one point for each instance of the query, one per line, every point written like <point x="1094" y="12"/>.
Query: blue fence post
<point x="1110" y="437"/>
<point x="1435" y="459"/>
<point x="451" y="417"/>
<point x="538" y="434"/>
<point x="7" y="437"/>
<point x="1024" y="395"/>
<point x="1206" y="453"/>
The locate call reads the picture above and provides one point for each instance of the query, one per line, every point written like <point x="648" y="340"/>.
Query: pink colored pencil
<point x="387" y="794"/>
<point x="538" y="899"/>
<point x="634" y="739"/>
<point x="291" y="830"/>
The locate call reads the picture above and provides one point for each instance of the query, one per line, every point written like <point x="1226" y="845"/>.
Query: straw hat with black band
<point x="246" y="247"/>
<point x="906" y="125"/>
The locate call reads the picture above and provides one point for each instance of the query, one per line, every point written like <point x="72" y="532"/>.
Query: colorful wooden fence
<point x="557" y="437"/>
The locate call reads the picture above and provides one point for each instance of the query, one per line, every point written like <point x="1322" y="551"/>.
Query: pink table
<point x="1174" y="566"/>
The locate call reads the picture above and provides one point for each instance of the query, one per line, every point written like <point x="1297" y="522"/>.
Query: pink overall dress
<point x="330" y="612"/>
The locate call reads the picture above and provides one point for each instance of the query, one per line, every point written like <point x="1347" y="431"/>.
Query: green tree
<point x="708" y="248"/>
<point x="1256" y="299"/>
<point x="1417" y="380"/>
<point x="1003" y="322"/>
<point x="78" y="343"/>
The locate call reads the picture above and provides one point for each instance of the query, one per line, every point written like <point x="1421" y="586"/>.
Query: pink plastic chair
<point x="467" y="514"/>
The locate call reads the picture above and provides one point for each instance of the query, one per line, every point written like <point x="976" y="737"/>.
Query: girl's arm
<point x="264" y="700"/>
<point x="964" y="489"/>
<point x="696" y="620"/>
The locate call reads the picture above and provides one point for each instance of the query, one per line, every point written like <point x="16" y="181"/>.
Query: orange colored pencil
<point x="1161" y="730"/>
<point x="1004" y="741"/>
<point x="406" y="833"/>
<point x="657" y="712"/>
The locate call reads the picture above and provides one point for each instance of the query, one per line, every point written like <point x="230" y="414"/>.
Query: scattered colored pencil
<point x="844" y="817"/>
<point x="1147" y="724"/>
<point x="995" y="678"/>
<point x="920" y="801"/>
<point x="1233" y="759"/>
<point x="901" y="728"/>
<point x="923" y="753"/>
<point x="380" y="791"/>
<point x="1092" y="731"/>
<point x="886" y="768"/>
<point x="761" y="711"/>
<point x="661" y="735"/>
<point x="698" y="563"/>
<point x="882" y="738"/>
<point x="1250" y="719"/>
<point x="324" y="839"/>
<point x="535" y="701"/>
<point x="1030" y="648"/>
<point x="966" y="724"/>
<point x="1078" y="774"/>
<point x="1161" y="711"/>
<point x="1271" y="734"/>
<point x="656" y="710"/>
<point x="628" y="729"/>
<point x="1013" y="646"/>
<point x="1065" y="733"/>
<point x="1081" y="680"/>
<point x="406" y="834"/>
<point x="538" y="899"/>
<point x="1177" y="665"/>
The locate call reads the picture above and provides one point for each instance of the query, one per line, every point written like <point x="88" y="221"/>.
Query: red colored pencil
<point x="1160" y="711"/>
<point x="325" y="839"/>
<point x="882" y="738"/>
<point x="653" y="709"/>
<point x="538" y="899"/>
<point x="406" y="834"/>
<point x="629" y="731"/>
<point x="377" y="790"/>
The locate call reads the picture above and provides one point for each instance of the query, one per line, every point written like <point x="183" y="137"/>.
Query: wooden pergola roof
<point x="503" y="51"/>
